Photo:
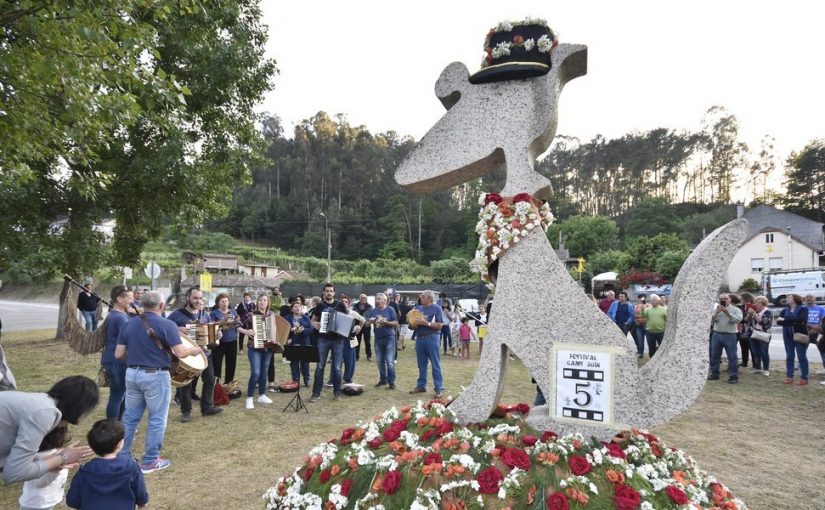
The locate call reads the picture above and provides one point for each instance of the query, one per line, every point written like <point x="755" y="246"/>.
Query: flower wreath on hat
<point x="503" y="221"/>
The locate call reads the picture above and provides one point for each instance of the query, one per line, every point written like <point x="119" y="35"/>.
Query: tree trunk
<point x="61" y="315"/>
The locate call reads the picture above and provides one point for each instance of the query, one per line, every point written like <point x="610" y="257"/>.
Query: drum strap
<point x="155" y="338"/>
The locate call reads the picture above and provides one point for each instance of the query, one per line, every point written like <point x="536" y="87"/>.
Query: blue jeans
<point x="640" y="340"/>
<point x="801" y="351"/>
<point x="325" y="347"/>
<point x="349" y="360"/>
<point x="259" y="360"/>
<point x="446" y="338"/>
<point x="117" y="389"/>
<point x="150" y="392"/>
<point x="426" y="349"/>
<point x="761" y="357"/>
<point x="91" y="320"/>
<point x="728" y="341"/>
<point x="539" y="400"/>
<point x="385" y="355"/>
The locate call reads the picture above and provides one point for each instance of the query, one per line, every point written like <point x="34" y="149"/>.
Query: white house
<point x="776" y="239"/>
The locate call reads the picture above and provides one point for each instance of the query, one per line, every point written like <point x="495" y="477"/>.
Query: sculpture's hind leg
<point x="477" y="401"/>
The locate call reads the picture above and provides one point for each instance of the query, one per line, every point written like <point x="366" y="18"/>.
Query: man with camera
<point x="725" y="322"/>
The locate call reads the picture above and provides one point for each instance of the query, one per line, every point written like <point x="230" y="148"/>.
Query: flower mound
<point x="419" y="458"/>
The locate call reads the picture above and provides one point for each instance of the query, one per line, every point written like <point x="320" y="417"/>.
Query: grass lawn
<point x="761" y="438"/>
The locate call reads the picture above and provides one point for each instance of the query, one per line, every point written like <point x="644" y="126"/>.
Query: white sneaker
<point x="821" y="372"/>
<point x="263" y="399"/>
<point x="754" y="371"/>
<point x="822" y="383"/>
<point x="249" y="403"/>
<point x="766" y="373"/>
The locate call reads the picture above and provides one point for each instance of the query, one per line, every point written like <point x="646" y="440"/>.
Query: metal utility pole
<point x="329" y="248"/>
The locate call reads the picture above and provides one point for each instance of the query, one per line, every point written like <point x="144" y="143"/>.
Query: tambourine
<point x="413" y="316"/>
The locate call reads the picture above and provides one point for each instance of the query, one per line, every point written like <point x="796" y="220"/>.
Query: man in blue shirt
<point x="148" y="384"/>
<point x="427" y="340"/>
<point x="621" y="312"/>
<point x="193" y="313"/>
<point x="815" y="315"/>
<point x="385" y="321"/>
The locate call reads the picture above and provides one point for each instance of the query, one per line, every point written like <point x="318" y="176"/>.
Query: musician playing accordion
<point x="328" y="342"/>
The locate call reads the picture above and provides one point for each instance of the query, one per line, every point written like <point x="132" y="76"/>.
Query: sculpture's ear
<point x="570" y="61"/>
<point x="454" y="80"/>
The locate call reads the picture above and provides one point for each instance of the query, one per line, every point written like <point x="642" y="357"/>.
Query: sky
<point x="651" y="64"/>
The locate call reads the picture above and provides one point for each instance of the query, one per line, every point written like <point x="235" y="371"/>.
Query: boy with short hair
<point x="112" y="481"/>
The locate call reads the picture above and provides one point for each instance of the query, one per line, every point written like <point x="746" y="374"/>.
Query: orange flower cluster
<point x="431" y="469"/>
<point x="454" y="471"/>
<point x="577" y="496"/>
<point x="548" y="458"/>
<point x="614" y="476"/>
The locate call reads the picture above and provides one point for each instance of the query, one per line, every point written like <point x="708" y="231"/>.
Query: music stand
<point x="305" y="353"/>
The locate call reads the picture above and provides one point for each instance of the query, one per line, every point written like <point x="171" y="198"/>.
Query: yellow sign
<point x="206" y="282"/>
<point x="770" y="248"/>
<point x="580" y="268"/>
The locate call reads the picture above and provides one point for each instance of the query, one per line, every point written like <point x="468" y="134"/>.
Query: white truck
<point x="779" y="283"/>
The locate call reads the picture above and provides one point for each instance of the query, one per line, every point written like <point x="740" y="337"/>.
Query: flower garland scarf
<point x="502" y="222"/>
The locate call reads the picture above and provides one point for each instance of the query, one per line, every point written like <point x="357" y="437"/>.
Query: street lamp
<point x="329" y="247"/>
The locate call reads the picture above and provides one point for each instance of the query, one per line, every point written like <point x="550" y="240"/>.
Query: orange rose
<point x="614" y="476"/>
<point x="495" y="453"/>
<point x="376" y="484"/>
<point x="422" y="421"/>
<point x="431" y="469"/>
<point x="504" y="208"/>
<point x="397" y="447"/>
<point x="531" y="494"/>
<point x="577" y="496"/>
<point x="453" y="505"/>
<point x="548" y="458"/>
<point x="352" y="463"/>
<point x="335" y="469"/>
<point x="358" y="434"/>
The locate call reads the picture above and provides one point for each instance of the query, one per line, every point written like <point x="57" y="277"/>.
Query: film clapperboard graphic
<point x="583" y="389"/>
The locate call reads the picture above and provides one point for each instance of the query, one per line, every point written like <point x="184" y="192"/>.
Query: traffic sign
<point x="152" y="270"/>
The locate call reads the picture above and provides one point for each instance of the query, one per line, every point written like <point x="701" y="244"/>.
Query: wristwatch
<point x="64" y="457"/>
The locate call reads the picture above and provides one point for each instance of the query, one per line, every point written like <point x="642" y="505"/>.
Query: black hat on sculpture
<point x="515" y="50"/>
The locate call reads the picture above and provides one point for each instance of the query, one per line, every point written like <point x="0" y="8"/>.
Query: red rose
<point x="347" y="435"/>
<point x="529" y="440"/>
<point x="428" y="434"/>
<point x="548" y="436"/>
<point x="375" y="443"/>
<point x="518" y="39"/>
<point x="433" y="458"/>
<point x="324" y="476"/>
<point x="614" y="450"/>
<point x="489" y="58"/>
<point x="493" y="198"/>
<point x="650" y="437"/>
<point x="522" y="197"/>
<point x="488" y="480"/>
<point x="579" y="465"/>
<point x="399" y="425"/>
<point x="444" y="428"/>
<point x="677" y="495"/>
<point x="516" y="458"/>
<point x="391" y="482"/>
<point x="557" y="501"/>
<point x="626" y="498"/>
<point x="522" y="408"/>
<point x="655" y="449"/>
<point x="346" y="486"/>
<point x="308" y="473"/>
<point x="390" y="435"/>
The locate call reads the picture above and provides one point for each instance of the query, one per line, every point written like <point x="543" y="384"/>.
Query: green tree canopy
<point x="652" y="216"/>
<point x="805" y="179"/>
<point x="586" y="235"/>
<point x="645" y="252"/>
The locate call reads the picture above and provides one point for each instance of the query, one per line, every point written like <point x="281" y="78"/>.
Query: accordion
<point x="270" y="332"/>
<point x="203" y="334"/>
<point x="336" y="322"/>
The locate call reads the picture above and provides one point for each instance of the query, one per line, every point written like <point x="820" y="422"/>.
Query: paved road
<point x="23" y="316"/>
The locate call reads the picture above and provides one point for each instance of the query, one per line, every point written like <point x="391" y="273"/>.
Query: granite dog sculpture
<point x="508" y="124"/>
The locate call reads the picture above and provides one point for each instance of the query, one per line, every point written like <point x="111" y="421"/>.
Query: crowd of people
<point x="741" y="327"/>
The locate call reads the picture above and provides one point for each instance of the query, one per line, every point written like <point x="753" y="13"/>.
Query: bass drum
<point x="185" y="369"/>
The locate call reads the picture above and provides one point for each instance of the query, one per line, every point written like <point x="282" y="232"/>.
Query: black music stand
<point x="305" y="353"/>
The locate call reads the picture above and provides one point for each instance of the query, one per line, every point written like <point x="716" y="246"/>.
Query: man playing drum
<point x="148" y="384"/>
<point x="189" y="314"/>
